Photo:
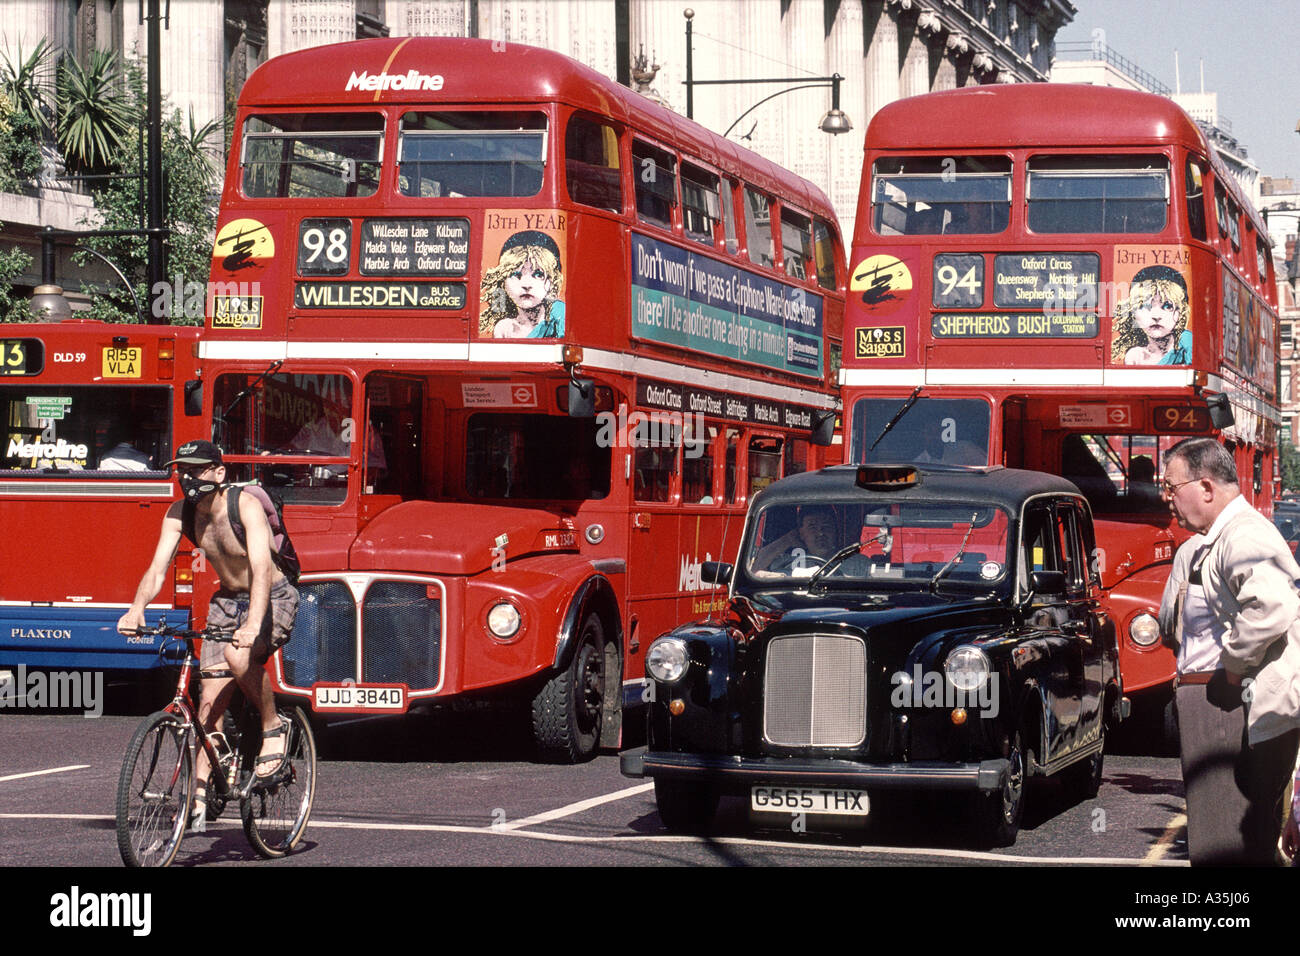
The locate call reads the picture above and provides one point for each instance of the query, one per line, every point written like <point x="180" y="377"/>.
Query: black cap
<point x="197" y="453"/>
<point x="532" y="237"/>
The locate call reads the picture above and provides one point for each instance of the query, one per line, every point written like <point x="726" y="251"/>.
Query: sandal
<point x="199" y="813"/>
<point x="281" y="760"/>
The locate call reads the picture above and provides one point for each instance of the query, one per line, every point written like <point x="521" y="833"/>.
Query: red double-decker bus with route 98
<point x="525" y="345"/>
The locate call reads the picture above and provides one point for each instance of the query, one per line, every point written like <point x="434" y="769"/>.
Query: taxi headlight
<point x="967" y="668"/>
<point x="1144" y="630"/>
<point x="667" y="660"/>
<point x="504" y="620"/>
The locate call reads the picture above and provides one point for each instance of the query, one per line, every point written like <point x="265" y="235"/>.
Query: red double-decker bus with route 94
<point x="89" y="414"/>
<point x="526" y="344"/>
<point x="1066" y="279"/>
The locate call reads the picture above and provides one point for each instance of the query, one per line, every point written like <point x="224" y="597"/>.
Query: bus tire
<point x="569" y="710"/>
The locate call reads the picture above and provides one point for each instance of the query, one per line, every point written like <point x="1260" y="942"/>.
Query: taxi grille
<point x="814" y="691"/>
<point x="401" y="624"/>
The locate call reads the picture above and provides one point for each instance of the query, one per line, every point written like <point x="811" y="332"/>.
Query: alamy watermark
<point x="923" y="688"/>
<point x="652" y="430"/>
<point x="53" y="690"/>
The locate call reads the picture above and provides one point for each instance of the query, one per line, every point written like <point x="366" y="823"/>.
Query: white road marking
<point x="37" y="773"/>
<point x="573" y="808"/>
<point x="896" y="851"/>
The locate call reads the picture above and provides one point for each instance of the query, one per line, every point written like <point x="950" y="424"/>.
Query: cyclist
<point x="256" y="599"/>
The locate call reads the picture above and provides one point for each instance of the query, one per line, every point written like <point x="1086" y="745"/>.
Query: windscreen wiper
<point x="884" y="538"/>
<point x="911" y="400"/>
<point x="961" y="552"/>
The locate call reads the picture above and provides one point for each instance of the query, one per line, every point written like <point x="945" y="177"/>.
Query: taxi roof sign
<point x="887" y="477"/>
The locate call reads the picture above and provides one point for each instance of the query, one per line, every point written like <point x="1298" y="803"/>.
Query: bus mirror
<point x="1220" y="411"/>
<point x="823" y="428"/>
<point x="194" y="397"/>
<point x="582" y="398"/>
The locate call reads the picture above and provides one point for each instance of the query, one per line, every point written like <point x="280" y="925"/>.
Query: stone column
<point x="881" y="63"/>
<point x="298" y="24"/>
<point x="844" y="55"/>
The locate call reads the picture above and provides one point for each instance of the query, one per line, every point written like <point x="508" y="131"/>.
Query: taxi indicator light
<point x="676" y="706"/>
<point x="958" y="716"/>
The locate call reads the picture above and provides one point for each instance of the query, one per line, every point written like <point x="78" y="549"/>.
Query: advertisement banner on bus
<point x="699" y="303"/>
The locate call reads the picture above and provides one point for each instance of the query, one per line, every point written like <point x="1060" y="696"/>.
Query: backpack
<point x="282" y="550"/>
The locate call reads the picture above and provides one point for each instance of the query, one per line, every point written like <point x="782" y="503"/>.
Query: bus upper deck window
<point x="796" y="244"/>
<point x="591" y="165"/>
<point x="304" y="155"/>
<point x="824" y="253"/>
<point x="701" y="210"/>
<point x="1195" y="188"/>
<point x="655" y="173"/>
<point x="758" y="228"/>
<point x="1098" y="194"/>
<point x="481" y="153"/>
<point x="940" y="195"/>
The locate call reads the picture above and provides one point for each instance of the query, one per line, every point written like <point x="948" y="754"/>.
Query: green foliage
<point x="94" y="120"/>
<point x="20" y="148"/>
<point x="189" y="211"/>
<point x="23" y="82"/>
<point x="1290" y="467"/>
<point x="13" y="263"/>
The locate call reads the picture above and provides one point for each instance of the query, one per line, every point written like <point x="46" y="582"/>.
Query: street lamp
<point x="48" y="301"/>
<point x="834" y="122"/>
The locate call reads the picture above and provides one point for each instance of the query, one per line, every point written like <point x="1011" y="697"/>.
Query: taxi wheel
<point x="685" y="807"/>
<point x="1002" y="810"/>
<point x="569" y="709"/>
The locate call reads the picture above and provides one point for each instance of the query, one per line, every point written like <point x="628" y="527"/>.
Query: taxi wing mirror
<point x="1048" y="582"/>
<point x="716" y="573"/>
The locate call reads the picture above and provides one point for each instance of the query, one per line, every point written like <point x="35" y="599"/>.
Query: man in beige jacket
<point x="1238" y="664"/>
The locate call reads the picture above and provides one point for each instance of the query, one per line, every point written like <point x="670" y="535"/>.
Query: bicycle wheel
<point x="275" y="817"/>
<point x="154" y="792"/>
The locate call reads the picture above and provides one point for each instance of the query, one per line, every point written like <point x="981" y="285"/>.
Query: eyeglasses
<point x="1169" y="490"/>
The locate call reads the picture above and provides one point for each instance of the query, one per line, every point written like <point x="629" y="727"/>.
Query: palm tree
<point x="94" y="118"/>
<point x="23" y="80"/>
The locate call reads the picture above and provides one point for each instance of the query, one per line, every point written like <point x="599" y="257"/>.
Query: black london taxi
<point x="900" y="628"/>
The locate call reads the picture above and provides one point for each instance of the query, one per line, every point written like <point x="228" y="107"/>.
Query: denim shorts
<point x="229" y="609"/>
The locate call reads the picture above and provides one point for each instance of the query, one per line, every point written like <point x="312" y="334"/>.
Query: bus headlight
<point x="667" y="660"/>
<point x="504" y="620"/>
<point x="1144" y="630"/>
<point x="967" y="668"/>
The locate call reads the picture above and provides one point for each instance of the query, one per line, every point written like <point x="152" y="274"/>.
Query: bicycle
<point x="156" y="789"/>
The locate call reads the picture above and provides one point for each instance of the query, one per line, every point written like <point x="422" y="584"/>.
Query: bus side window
<point x="796" y="244"/>
<point x="733" y="465"/>
<point x="652" y="473"/>
<point x="764" y="462"/>
<point x="655" y="175"/>
<point x="824" y="254"/>
<point x="591" y="164"/>
<point x="729" y="215"/>
<point x="701" y="209"/>
<point x="1195" y="189"/>
<point x="758" y="228"/>
<point x="795" y="457"/>
<point x="697" y="465"/>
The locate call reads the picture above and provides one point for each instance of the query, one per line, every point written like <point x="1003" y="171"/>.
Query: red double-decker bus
<point x="1067" y="279"/>
<point x="525" y="345"/>
<point x="89" y="414"/>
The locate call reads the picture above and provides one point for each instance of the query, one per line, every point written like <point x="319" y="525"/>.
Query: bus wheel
<point x="569" y="709"/>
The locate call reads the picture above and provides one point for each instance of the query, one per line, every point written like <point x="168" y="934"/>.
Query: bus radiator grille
<point x="402" y="627"/>
<point x="323" y="645"/>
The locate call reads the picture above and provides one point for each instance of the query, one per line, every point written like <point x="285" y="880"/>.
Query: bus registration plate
<point x="835" y="802"/>
<point x="359" y="698"/>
